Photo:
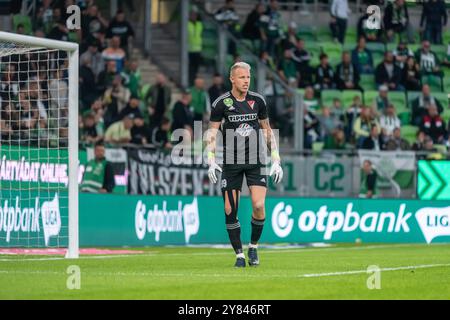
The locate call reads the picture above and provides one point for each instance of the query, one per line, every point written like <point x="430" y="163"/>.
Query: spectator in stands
<point x="120" y="131"/>
<point x="363" y="125"/>
<point x="270" y="27"/>
<point x="396" y="20"/>
<point x="59" y="31"/>
<point x="97" y="63"/>
<point x="347" y="76"/>
<point x="9" y="81"/>
<point x="290" y="38"/>
<point x="368" y="182"/>
<point x="195" y="41"/>
<point x="228" y="17"/>
<point x="287" y="68"/>
<point x="336" y="141"/>
<point x="93" y="25"/>
<point x="96" y="109"/>
<point x="251" y="29"/>
<point x="324" y="74"/>
<point x="310" y="101"/>
<point x="370" y="35"/>
<point x="182" y="116"/>
<point x="434" y="16"/>
<point x="158" y="99"/>
<point x="115" y="100"/>
<point x="106" y="77"/>
<point x="311" y="129"/>
<point x="420" y="104"/>
<point x="339" y="17"/>
<point x="374" y="141"/>
<point x="115" y="53"/>
<point x="389" y="121"/>
<point x="131" y="108"/>
<point x="44" y="16"/>
<point x="87" y="85"/>
<point x="328" y="123"/>
<point x="381" y="101"/>
<point x="396" y="142"/>
<point x="401" y="54"/>
<point x="88" y="132"/>
<point x="351" y="114"/>
<point x="419" y="144"/>
<point x="140" y="131"/>
<point x="302" y="57"/>
<point x="433" y="125"/>
<point x="337" y="110"/>
<point x="8" y="117"/>
<point x="132" y="77"/>
<point x="99" y="175"/>
<point x="388" y="73"/>
<point x="217" y="88"/>
<point x="200" y="100"/>
<point x="159" y="136"/>
<point x="428" y="60"/>
<point x="362" y="57"/>
<point x="58" y="93"/>
<point x="411" y="75"/>
<point x="122" y="28"/>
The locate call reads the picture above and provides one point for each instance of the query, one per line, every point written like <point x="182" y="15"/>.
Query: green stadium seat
<point x="351" y="36"/>
<point x="317" y="147"/>
<point x="398" y="99"/>
<point x="442" y="97"/>
<point x="334" y="52"/>
<point x="323" y="34"/>
<point x="447" y="84"/>
<point x="440" y="148"/>
<point x="25" y="21"/>
<point x="307" y="33"/>
<point x="446" y="37"/>
<point x="434" y="82"/>
<point x="446" y="115"/>
<point x="376" y="47"/>
<point x="367" y="82"/>
<point x="440" y="50"/>
<point x="348" y="95"/>
<point x="409" y="132"/>
<point x="377" y="58"/>
<point x="369" y="97"/>
<point x="327" y="96"/>
<point x="411" y="96"/>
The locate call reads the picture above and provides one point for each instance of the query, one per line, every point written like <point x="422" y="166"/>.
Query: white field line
<point x="190" y="254"/>
<point x="232" y="275"/>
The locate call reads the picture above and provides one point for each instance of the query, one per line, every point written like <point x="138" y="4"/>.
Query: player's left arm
<point x="270" y="139"/>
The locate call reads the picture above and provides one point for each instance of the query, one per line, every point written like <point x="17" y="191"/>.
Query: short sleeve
<point x="217" y="111"/>
<point x="263" y="112"/>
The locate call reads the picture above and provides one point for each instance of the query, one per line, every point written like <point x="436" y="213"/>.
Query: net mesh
<point x="34" y="146"/>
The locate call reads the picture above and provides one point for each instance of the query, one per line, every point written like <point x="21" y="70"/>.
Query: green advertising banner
<point x="30" y="220"/>
<point x="154" y="220"/>
<point x="433" y="181"/>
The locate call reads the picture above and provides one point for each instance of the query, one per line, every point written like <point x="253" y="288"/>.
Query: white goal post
<point x="14" y="47"/>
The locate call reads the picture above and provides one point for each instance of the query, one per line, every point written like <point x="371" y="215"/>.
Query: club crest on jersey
<point x="228" y="102"/>
<point x="251" y="103"/>
<point x="244" y="130"/>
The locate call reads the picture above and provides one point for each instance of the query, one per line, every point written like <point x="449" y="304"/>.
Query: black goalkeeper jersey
<point x="242" y="138"/>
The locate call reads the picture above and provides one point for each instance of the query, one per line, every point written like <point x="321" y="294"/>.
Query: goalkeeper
<point x="244" y="113"/>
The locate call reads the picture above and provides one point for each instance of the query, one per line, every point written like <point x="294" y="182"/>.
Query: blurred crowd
<point x="360" y="74"/>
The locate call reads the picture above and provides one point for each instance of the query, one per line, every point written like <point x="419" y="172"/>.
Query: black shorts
<point x="233" y="175"/>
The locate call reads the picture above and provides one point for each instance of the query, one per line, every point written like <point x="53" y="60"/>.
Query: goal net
<point x="38" y="143"/>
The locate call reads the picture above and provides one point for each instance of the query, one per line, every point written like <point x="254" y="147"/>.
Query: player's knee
<point x="228" y="209"/>
<point x="258" y="206"/>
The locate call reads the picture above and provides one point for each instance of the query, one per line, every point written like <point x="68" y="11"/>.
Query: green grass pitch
<point x="337" y="272"/>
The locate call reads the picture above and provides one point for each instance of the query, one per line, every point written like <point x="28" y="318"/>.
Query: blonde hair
<point x="240" y="64"/>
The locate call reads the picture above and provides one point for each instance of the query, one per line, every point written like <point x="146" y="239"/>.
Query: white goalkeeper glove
<point x="213" y="166"/>
<point x="276" y="172"/>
